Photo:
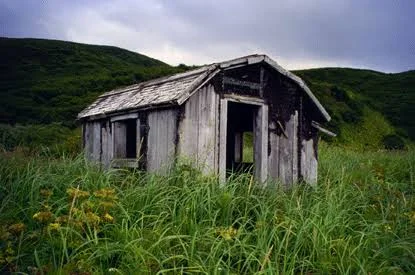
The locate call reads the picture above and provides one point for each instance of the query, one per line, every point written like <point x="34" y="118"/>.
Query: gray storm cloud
<point x="372" y="34"/>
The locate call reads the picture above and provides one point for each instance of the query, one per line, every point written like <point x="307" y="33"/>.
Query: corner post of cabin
<point x="223" y="121"/>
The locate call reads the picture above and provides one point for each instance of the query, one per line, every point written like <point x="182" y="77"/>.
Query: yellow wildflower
<point x="42" y="216"/>
<point x="92" y="218"/>
<point x="77" y="193"/>
<point x="227" y="233"/>
<point x="54" y="226"/>
<point x="108" y="218"/>
<point x="106" y="193"/>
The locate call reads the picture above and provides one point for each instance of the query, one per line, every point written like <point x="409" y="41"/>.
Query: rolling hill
<point x="44" y="81"/>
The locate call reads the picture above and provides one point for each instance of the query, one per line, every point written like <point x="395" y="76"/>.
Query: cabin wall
<point x="161" y="141"/>
<point x="106" y="143"/>
<point x="308" y="144"/>
<point x="283" y="152"/>
<point x="199" y="129"/>
<point x="92" y="140"/>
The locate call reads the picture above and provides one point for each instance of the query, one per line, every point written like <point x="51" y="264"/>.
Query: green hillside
<point x="43" y="81"/>
<point x="365" y="105"/>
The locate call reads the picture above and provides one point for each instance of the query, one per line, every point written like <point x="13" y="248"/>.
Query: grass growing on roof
<point x="65" y="215"/>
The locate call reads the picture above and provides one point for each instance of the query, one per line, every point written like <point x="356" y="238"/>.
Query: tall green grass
<point x="359" y="218"/>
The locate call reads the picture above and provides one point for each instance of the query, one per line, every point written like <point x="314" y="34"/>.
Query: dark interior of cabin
<point x="131" y="134"/>
<point x="240" y="137"/>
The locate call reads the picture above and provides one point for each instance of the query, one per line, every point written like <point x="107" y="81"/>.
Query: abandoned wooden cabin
<point x="208" y="115"/>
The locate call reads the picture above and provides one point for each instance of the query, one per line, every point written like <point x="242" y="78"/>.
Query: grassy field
<point x="62" y="215"/>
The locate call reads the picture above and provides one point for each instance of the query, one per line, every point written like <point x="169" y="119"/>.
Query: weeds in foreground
<point x="66" y="216"/>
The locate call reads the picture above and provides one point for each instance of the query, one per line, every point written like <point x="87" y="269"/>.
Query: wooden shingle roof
<point x="176" y="89"/>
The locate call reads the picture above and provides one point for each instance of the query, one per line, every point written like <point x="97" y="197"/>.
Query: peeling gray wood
<point x="244" y="99"/>
<point x="261" y="144"/>
<point x="207" y="129"/>
<point x="161" y="140"/>
<point x="96" y="146"/>
<point x="309" y="161"/>
<point x="124" y="117"/>
<point x="273" y="163"/>
<point x="139" y="139"/>
<point x="89" y="141"/>
<point x="294" y="139"/>
<point x="285" y="156"/>
<point x="198" y="129"/>
<point x="222" y="139"/>
<point x="322" y="129"/>
<point x="119" y="141"/>
<point x="189" y="129"/>
<point x="106" y="139"/>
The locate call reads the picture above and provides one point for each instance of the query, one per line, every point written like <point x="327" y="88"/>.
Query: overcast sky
<point x="375" y="34"/>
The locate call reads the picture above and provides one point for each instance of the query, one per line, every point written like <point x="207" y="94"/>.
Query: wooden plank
<point x="119" y="141"/>
<point x="261" y="80"/>
<point x="273" y="159"/>
<point x="304" y="166"/>
<point x="161" y="140"/>
<point x="309" y="160"/>
<point x="124" y="117"/>
<point x="96" y="147"/>
<point x="202" y="134"/>
<point x="207" y="129"/>
<point x="261" y="144"/>
<point x="242" y="83"/>
<point x="222" y="139"/>
<point x="244" y="99"/>
<point x="88" y="136"/>
<point x="217" y="131"/>
<point x="171" y="117"/>
<point x="110" y="141"/>
<point x="139" y="139"/>
<point x="289" y="152"/>
<point x="294" y="139"/>
<point x="105" y="142"/>
<point x="285" y="159"/>
<point x="152" y="141"/>
<point x="189" y="129"/>
<point x="322" y="129"/>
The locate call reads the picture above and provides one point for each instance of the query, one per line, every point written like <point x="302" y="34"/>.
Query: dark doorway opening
<point x="131" y="138"/>
<point x="240" y="137"/>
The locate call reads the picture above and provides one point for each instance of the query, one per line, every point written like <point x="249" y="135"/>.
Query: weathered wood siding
<point x="261" y="143"/>
<point x="199" y="129"/>
<point x="161" y="142"/>
<point x="283" y="97"/>
<point x="106" y="143"/>
<point x="119" y="139"/>
<point x="283" y="153"/>
<point x="92" y="141"/>
<point x="309" y="163"/>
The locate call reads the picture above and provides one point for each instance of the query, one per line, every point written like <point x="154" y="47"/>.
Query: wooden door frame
<point x="260" y="132"/>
